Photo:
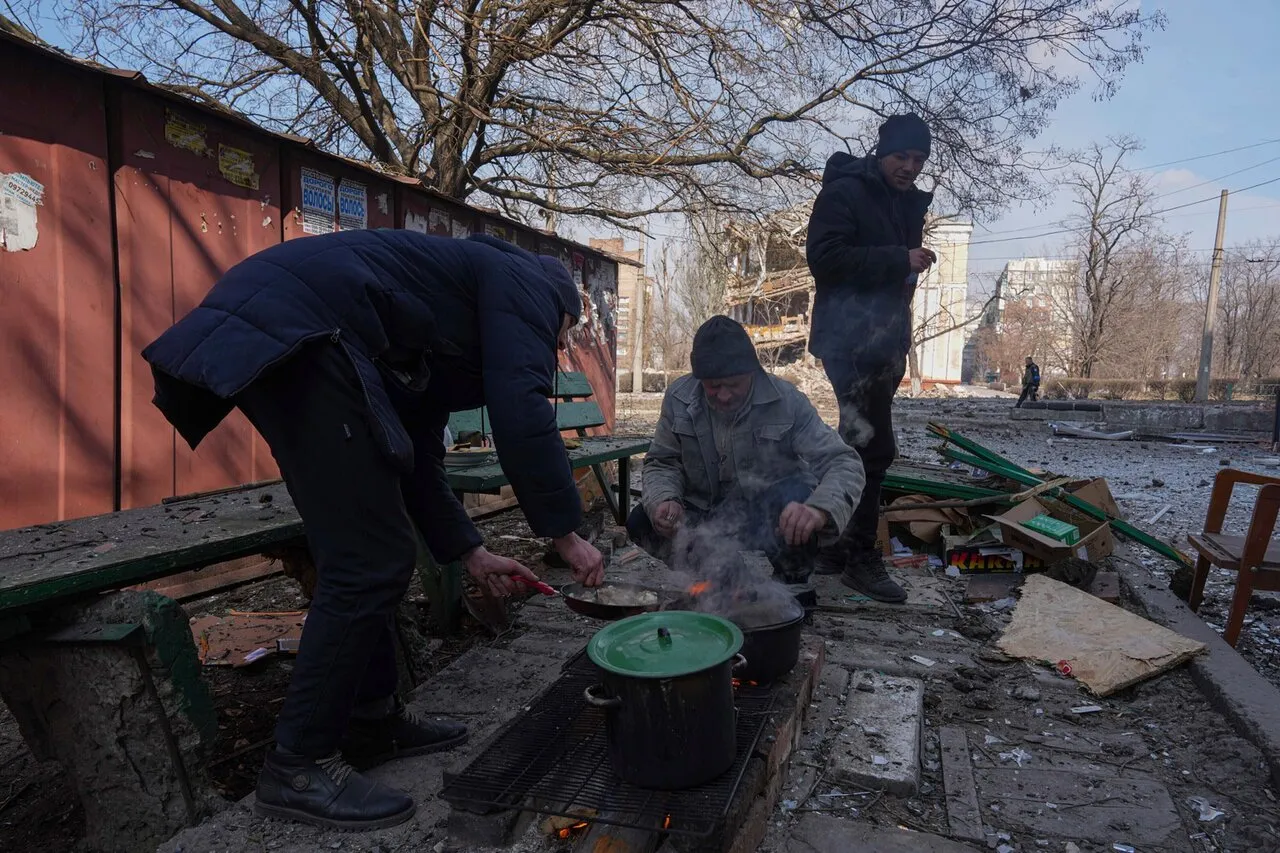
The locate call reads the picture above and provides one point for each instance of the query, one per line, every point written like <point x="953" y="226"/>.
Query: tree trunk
<point x="913" y="367"/>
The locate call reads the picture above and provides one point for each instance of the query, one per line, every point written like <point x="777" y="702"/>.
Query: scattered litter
<point x="899" y="550"/>
<point x="1109" y="648"/>
<point x="1123" y="848"/>
<point x="240" y="638"/>
<point x="1207" y="812"/>
<point x="1160" y="514"/>
<point x="879" y="760"/>
<point x="789" y="805"/>
<point x="1002" y="605"/>
<point x="1269" y="461"/>
<point x="1071" y="847"/>
<point x="1017" y="755"/>
<point x="1004" y="848"/>
<point x="1026" y="692"/>
<point x="1064" y="667"/>
<point x="991" y="739"/>
<point x="1081" y="432"/>
<point x="1086" y="709"/>
<point x="922" y="660"/>
<point x="943" y="632"/>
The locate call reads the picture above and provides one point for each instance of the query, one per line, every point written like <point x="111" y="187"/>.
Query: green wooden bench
<point x="576" y="413"/>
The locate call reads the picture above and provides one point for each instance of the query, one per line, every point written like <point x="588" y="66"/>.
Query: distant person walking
<point x="1030" y="383"/>
<point x="864" y="250"/>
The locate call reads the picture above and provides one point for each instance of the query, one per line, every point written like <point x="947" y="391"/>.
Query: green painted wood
<point x="87" y="555"/>
<point x="594" y="451"/>
<point x="569" y="385"/>
<point x="569" y="416"/>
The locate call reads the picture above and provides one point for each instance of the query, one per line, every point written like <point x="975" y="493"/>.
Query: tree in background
<point x="1248" y="333"/>
<point x="616" y="109"/>
<point x="1113" y="217"/>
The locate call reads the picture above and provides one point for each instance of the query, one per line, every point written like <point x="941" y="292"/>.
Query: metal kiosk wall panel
<point x="322" y="195"/>
<point x="428" y="215"/>
<point x="194" y="195"/>
<point x="57" y="294"/>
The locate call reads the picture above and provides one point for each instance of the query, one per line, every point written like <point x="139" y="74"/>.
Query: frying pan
<point x="573" y="596"/>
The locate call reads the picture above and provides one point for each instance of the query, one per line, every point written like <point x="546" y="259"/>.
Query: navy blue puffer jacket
<point x="431" y="325"/>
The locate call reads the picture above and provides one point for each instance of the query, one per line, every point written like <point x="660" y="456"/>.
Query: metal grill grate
<point x="554" y="760"/>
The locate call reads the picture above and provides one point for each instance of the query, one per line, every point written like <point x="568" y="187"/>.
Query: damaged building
<point x="770" y="291"/>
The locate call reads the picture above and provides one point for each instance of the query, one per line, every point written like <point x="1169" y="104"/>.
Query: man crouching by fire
<point x="743" y="453"/>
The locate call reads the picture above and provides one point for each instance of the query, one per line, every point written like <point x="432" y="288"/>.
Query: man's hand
<point x="493" y="572"/>
<point x="799" y="522"/>
<point x="921" y="259"/>
<point x="666" y="518"/>
<point x="583" y="558"/>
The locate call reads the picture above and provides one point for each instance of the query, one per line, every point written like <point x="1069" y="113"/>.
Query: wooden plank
<point x="54" y="561"/>
<point x="963" y="814"/>
<point x="569" y="416"/>
<point x="594" y="450"/>
<point x="219" y="576"/>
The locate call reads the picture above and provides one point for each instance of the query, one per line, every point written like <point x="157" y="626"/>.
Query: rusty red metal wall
<point x="57" y="294"/>
<point x="139" y="200"/>
<point x="194" y="195"/>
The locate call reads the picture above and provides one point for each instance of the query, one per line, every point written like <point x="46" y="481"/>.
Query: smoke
<point x="715" y="571"/>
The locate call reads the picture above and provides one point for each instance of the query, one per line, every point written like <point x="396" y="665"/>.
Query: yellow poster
<point x="236" y="165"/>
<point x="181" y="133"/>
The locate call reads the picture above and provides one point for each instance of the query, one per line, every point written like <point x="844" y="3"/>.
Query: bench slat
<point x="569" y="416"/>
<point x="86" y="555"/>
<point x="594" y="450"/>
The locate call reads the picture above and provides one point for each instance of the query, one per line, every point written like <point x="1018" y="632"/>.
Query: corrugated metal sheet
<point x="194" y="195"/>
<point x="145" y="198"/>
<point x="57" y="297"/>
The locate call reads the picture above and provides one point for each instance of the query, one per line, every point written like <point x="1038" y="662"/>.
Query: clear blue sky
<point x="1208" y="83"/>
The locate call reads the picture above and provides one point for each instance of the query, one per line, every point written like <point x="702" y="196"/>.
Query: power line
<point x="1211" y="154"/>
<point x="1219" y="178"/>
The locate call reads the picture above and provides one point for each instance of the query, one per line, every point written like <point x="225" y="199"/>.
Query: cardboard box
<point x="1098" y="493"/>
<point x="1095" y="542"/>
<point x="983" y="552"/>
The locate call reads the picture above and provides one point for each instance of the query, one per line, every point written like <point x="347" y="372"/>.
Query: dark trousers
<point x="312" y="413"/>
<point x="749" y="523"/>
<point x="865" y="392"/>
<point x="1031" y="392"/>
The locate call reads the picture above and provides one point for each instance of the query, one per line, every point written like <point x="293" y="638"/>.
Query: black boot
<point x="397" y="732"/>
<point x="864" y="572"/>
<point x="327" y="793"/>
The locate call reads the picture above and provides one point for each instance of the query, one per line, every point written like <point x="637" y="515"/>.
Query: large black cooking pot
<point x="667" y="690"/>
<point x="772" y="627"/>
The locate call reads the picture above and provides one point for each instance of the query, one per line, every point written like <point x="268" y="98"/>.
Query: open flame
<point x="738" y="682"/>
<point x="666" y="823"/>
<point x="570" y="831"/>
<point x="699" y="588"/>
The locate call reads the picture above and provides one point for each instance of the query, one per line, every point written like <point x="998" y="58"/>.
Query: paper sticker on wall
<point x="184" y="134"/>
<point x="415" y="222"/>
<point x="353" y="206"/>
<point x="579" y="263"/>
<point x="318" y="205"/>
<point x="236" y="165"/>
<point x="461" y="230"/>
<point x="20" y="196"/>
<point x="495" y="231"/>
<point x="441" y="222"/>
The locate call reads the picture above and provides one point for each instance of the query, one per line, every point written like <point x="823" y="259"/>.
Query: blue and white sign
<point x="319" y="209"/>
<point x="353" y="206"/>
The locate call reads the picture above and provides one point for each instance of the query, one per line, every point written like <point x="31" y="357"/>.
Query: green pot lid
<point x="667" y="644"/>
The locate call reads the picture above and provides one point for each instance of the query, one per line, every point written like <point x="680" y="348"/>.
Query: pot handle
<point x="738" y="663"/>
<point x="600" y="701"/>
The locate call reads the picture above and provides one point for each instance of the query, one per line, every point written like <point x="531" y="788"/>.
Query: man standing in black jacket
<point x="865" y="256"/>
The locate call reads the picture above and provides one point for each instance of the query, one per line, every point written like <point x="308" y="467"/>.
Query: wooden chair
<point x="1254" y="557"/>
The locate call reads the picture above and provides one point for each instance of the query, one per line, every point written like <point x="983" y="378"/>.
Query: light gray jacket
<point x="777" y="435"/>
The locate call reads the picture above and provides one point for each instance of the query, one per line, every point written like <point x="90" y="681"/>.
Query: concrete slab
<point x="822" y="834"/>
<point x="1232" y="686"/>
<point x="964" y="816"/>
<point x="879" y="746"/>
<point x="1097" y="807"/>
<point x="925" y="594"/>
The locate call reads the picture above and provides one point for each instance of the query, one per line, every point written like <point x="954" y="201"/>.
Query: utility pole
<point x="636" y="333"/>
<point x="1211" y="306"/>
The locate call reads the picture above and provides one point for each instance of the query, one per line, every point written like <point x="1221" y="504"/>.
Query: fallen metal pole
<point x="997" y="464"/>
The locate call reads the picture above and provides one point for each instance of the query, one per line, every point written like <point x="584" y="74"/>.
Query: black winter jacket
<point x="860" y="233"/>
<point x="431" y="326"/>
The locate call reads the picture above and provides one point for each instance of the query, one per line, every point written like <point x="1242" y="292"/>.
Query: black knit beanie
<point x="722" y="348"/>
<point x="903" y="133"/>
<point x="570" y="296"/>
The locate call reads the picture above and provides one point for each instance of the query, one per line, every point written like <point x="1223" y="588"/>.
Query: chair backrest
<point x="573" y="415"/>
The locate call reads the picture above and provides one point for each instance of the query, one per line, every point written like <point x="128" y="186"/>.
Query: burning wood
<point x="699" y="588"/>
<point x="570" y="831"/>
<point x="559" y="826"/>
